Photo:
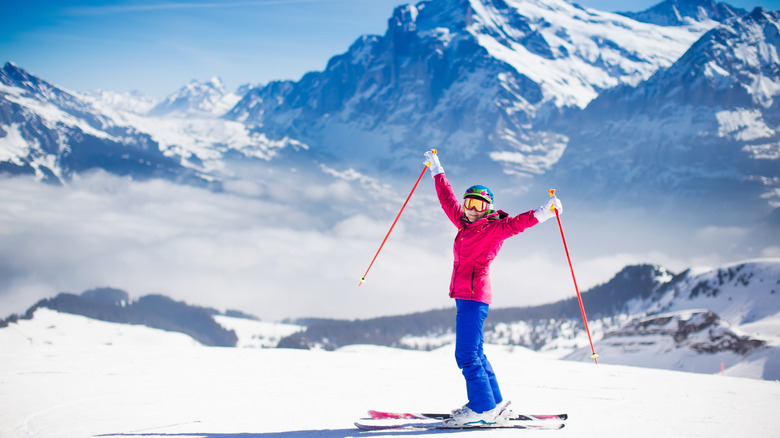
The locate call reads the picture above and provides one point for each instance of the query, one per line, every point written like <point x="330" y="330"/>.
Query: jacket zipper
<point x="473" y="272"/>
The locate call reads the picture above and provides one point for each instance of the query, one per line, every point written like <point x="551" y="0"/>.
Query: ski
<point x="431" y="423"/>
<point x="379" y="415"/>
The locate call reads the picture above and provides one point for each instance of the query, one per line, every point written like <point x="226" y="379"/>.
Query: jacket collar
<point x="490" y="217"/>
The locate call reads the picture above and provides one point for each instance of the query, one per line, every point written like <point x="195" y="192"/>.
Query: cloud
<point x="295" y="244"/>
<point x="226" y="250"/>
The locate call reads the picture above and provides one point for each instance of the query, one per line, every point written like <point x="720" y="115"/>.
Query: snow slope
<point x="60" y="378"/>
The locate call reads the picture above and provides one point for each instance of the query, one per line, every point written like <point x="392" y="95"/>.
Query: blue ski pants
<point x="481" y="384"/>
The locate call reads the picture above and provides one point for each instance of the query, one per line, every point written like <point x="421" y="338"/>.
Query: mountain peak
<point x="718" y="62"/>
<point x="202" y="99"/>
<point x="15" y="76"/>
<point x="682" y="12"/>
<point x="216" y="82"/>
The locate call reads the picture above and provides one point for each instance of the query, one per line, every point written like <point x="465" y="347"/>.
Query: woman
<point x="481" y="233"/>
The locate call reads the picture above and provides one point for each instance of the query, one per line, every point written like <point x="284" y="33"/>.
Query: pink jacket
<point x="476" y="244"/>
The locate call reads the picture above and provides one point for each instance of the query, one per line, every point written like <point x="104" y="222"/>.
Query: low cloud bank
<point x="278" y="250"/>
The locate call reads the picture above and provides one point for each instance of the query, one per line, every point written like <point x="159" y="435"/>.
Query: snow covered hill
<point x="66" y="330"/>
<point x="104" y="379"/>
<point x="257" y="334"/>
<point x="741" y="293"/>
<point x="700" y="319"/>
<point x="692" y="340"/>
<point x="206" y="325"/>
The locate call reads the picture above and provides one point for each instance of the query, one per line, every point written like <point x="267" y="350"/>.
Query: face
<point x="474" y="215"/>
<point x="472" y="207"/>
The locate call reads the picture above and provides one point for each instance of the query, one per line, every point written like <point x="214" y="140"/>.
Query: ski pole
<point x="363" y="278"/>
<point x="576" y="289"/>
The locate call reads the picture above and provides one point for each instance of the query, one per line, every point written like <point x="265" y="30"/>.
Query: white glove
<point x="546" y="211"/>
<point x="435" y="166"/>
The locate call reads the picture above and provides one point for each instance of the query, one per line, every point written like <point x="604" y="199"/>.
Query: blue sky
<point x="157" y="47"/>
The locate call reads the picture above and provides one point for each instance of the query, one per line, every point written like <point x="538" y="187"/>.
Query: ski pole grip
<point x="552" y="195"/>
<point x="428" y="164"/>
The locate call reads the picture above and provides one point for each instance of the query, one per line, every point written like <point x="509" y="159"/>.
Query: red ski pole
<point x="363" y="278"/>
<point x="577" y="289"/>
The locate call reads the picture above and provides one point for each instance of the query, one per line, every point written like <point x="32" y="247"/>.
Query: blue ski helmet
<point x="479" y="192"/>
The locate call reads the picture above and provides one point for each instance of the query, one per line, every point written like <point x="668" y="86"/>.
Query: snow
<point x="133" y="102"/>
<point x="744" y="125"/>
<point x="257" y="334"/>
<point x="200" y="141"/>
<point x="62" y="330"/>
<point x="13" y="145"/>
<point x="51" y="114"/>
<point x="592" y="49"/>
<point x="769" y="326"/>
<point x="723" y="291"/>
<point x="68" y="376"/>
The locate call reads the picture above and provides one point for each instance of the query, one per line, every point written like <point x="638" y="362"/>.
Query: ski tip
<point x="379" y="415"/>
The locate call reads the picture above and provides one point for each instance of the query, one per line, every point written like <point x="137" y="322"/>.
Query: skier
<point x="481" y="233"/>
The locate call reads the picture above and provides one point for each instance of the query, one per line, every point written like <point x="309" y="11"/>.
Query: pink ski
<point x="380" y="415"/>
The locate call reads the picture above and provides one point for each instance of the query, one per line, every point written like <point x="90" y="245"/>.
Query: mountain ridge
<point x="678" y="12"/>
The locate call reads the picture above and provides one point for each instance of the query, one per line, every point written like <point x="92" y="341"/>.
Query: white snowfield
<point x="68" y="376"/>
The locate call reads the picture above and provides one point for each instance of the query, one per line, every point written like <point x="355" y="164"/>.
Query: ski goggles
<point x="476" y="204"/>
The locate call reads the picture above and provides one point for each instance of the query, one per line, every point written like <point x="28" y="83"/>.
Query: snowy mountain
<point x="197" y="99"/>
<point x="497" y="85"/>
<point x="705" y="128"/>
<point x="467" y="76"/>
<point x="680" y="12"/>
<point x="53" y="134"/>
